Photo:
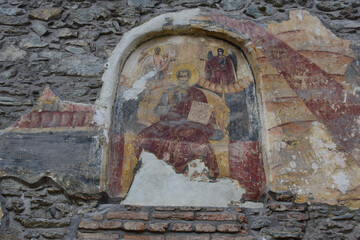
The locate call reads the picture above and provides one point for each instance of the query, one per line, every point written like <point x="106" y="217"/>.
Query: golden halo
<point x="185" y="66"/>
<point x="225" y="50"/>
<point x="152" y="50"/>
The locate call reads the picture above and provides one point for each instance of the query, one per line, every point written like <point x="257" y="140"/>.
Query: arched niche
<point x="174" y="101"/>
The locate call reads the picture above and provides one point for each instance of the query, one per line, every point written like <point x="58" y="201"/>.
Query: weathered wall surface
<point x="44" y="211"/>
<point x="307" y="69"/>
<point x="34" y="44"/>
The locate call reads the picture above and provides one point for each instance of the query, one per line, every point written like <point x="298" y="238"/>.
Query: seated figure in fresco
<point x="221" y="69"/>
<point x="180" y="137"/>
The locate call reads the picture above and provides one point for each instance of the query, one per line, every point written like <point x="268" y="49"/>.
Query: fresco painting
<point x="187" y="98"/>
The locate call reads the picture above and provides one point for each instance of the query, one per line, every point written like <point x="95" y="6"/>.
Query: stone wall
<point x="37" y="37"/>
<point x="44" y="211"/>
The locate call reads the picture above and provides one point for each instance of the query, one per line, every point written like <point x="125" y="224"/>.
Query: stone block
<point x="278" y="207"/>
<point x="90" y="225"/>
<point x="45" y="14"/>
<point x="260" y="223"/>
<point x="98" y="236"/>
<point x="283" y="233"/>
<point x="298" y="216"/>
<point x="29" y="222"/>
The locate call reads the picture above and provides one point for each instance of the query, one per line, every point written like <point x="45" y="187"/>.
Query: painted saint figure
<point x="220" y="69"/>
<point x="156" y="64"/>
<point x="176" y="138"/>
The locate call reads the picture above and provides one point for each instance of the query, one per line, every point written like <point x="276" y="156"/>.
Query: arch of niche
<point x="191" y="25"/>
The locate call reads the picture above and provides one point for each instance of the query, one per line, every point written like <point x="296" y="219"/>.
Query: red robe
<point x="180" y="139"/>
<point x="220" y="70"/>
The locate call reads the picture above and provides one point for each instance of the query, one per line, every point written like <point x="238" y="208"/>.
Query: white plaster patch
<point x="315" y="167"/>
<point x="98" y="118"/>
<point x="299" y="15"/>
<point x="293" y="164"/>
<point x="249" y="204"/>
<point x="138" y="86"/>
<point x="156" y="183"/>
<point x="341" y="181"/>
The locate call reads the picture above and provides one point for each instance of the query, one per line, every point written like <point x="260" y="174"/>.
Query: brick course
<point x="206" y="228"/>
<point x="158" y="227"/>
<point x="110" y="225"/>
<point x="128" y="215"/>
<point x="216" y="217"/>
<point x="173" y="215"/>
<point x="182" y="227"/>
<point x="142" y="237"/>
<point x="134" y="226"/>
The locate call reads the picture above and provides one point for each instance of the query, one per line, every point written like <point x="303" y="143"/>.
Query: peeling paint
<point x="138" y="86"/>
<point x="98" y="118"/>
<point x="341" y="181"/>
<point x="158" y="184"/>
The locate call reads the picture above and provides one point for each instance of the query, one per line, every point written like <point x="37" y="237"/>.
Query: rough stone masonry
<point x="66" y="44"/>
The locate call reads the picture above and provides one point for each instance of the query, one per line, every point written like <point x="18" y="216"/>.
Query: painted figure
<point x="220" y="69"/>
<point x="177" y="138"/>
<point x="156" y="65"/>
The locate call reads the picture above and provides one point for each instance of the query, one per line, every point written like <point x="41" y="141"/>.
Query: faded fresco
<point x="183" y="99"/>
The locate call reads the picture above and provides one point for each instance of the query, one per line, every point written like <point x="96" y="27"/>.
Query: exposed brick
<point x="109" y="225"/>
<point x="207" y="228"/>
<point x="243" y="230"/>
<point x="174" y="216"/>
<point x="98" y="217"/>
<point x="98" y="236"/>
<point x="158" y="227"/>
<point x="165" y="208"/>
<point x="89" y="225"/>
<point x="128" y="215"/>
<point x="242" y="219"/>
<point x="214" y="209"/>
<point x="232" y="238"/>
<point x="216" y="217"/>
<point x="134" y="226"/>
<point x="143" y="237"/>
<point x="187" y="237"/>
<point x="181" y="227"/>
<point x="133" y="207"/>
<point x="230" y="228"/>
<point x="284" y="198"/>
<point x="190" y="208"/>
<point x="239" y="210"/>
<point x="298" y="216"/>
